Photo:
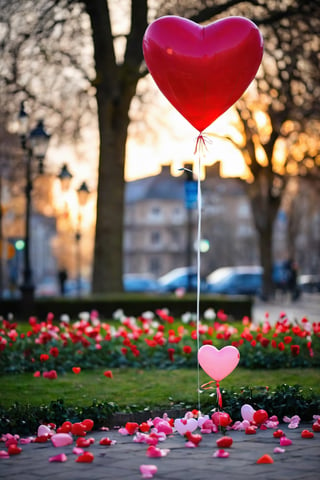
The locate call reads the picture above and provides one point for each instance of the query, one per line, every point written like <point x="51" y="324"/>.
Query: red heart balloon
<point x="202" y="70"/>
<point x="260" y="416"/>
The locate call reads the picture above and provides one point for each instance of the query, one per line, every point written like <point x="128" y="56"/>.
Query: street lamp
<point x="65" y="177"/>
<point x="34" y="144"/>
<point x="83" y="193"/>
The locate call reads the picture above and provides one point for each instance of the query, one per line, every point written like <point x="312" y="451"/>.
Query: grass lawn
<point x="143" y="388"/>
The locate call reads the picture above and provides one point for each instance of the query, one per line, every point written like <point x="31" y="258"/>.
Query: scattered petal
<point x="61" y="439"/>
<point x="14" y="449"/>
<point x="147" y="471"/>
<point x="155" y="452"/>
<point x="59" y="458"/>
<point x="4" y="454"/>
<point x="107" y="441"/>
<point x="278" y="450"/>
<point x="251" y="430"/>
<point x="86" y="457"/>
<point x="265" y="459"/>
<point x="221" y="454"/>
<point x="190" y="444"/>
<point x="77" y="451"/>
<point x="224" y="442"/>
<point x="285" y="442"/>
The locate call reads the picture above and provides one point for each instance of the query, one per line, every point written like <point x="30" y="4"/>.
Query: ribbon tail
<point x="219" y="396"/>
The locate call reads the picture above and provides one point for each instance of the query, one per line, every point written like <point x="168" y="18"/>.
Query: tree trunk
<point x="265" y="206"/>
<point x="115" y="87"/>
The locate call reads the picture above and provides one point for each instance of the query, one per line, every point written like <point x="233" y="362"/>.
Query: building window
<point x="154" y="266"/>
<point x="155" y="212"/>
<point x="155" y="238"/>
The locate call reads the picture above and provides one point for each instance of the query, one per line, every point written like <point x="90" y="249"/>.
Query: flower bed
<point x="151" y="340"/>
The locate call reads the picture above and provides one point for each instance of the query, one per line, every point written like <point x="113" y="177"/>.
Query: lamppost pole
<point x="83" y="194"/>
<point x="35" y="144"/>
<point x="27" y="286"/>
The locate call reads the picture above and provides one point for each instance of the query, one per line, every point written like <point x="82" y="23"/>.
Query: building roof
<point x="163" y="186"/>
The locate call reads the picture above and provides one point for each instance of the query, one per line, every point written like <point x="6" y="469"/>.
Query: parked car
<point x="134" y="282"/>
<point x="73" y="287"/>
<point x="309" y="283"/>
<point x="244" y="280"/>
<point x="48" y="287"/>
<point x="181" y="278"/>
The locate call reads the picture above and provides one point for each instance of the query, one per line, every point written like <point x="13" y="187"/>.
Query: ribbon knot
<point x="201" y="144"/>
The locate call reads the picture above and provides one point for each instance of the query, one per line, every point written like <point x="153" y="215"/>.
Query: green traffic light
<point x="19" y="244"/>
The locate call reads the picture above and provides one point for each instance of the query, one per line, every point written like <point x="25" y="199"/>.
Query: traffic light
<point x="19" y="244"/>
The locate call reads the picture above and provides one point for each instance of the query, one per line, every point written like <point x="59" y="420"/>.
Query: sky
<point x="175" y="144"/>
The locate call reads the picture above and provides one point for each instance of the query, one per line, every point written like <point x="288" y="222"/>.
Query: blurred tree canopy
<point x="78" y="63"/>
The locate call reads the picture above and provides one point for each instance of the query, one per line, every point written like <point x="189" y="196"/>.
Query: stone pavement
<point x="307" y="305"/>
<point x="121" y="461"/>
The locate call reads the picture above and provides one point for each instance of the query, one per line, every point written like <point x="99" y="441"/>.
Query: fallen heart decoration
<point x="184" y="425"/>
<point x="86" y="457"/>
<point x="265" y="459"/>
<point x="307" y="434"/>
<point x="224" y="442"/>
<point x="61" y="439"/>
<point x="202" y="70"/>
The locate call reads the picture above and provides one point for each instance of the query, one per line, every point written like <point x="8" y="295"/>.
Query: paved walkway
<point x="308" y="305"/>
<point x="121" y="461"/>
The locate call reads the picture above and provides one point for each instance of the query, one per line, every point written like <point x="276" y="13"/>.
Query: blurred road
<point x="308" y="305"/>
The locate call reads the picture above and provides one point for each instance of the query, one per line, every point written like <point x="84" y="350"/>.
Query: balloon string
<point x="199" y="203"/>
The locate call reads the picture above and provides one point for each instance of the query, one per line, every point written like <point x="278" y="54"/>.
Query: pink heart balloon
<point x="202" y="70"/>
<point x="218" y="364"/>
<point x="247" y="412"/>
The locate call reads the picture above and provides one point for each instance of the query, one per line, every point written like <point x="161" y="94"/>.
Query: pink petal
<point x="61" y="439"/>
<point x="221" y="454"/>
<point x="154" y="452"/>
<point x="278" y="450"/>
<point x="77" y="451"/>
<point x="25" y="441"/>
<point x="4" y="454"/>
<point x="59" y="458"/>
<point x="190" y="445"/>
<point x="147" y="471"/>
<point x="285" y="442"/>
<point x="123" y="431"/>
